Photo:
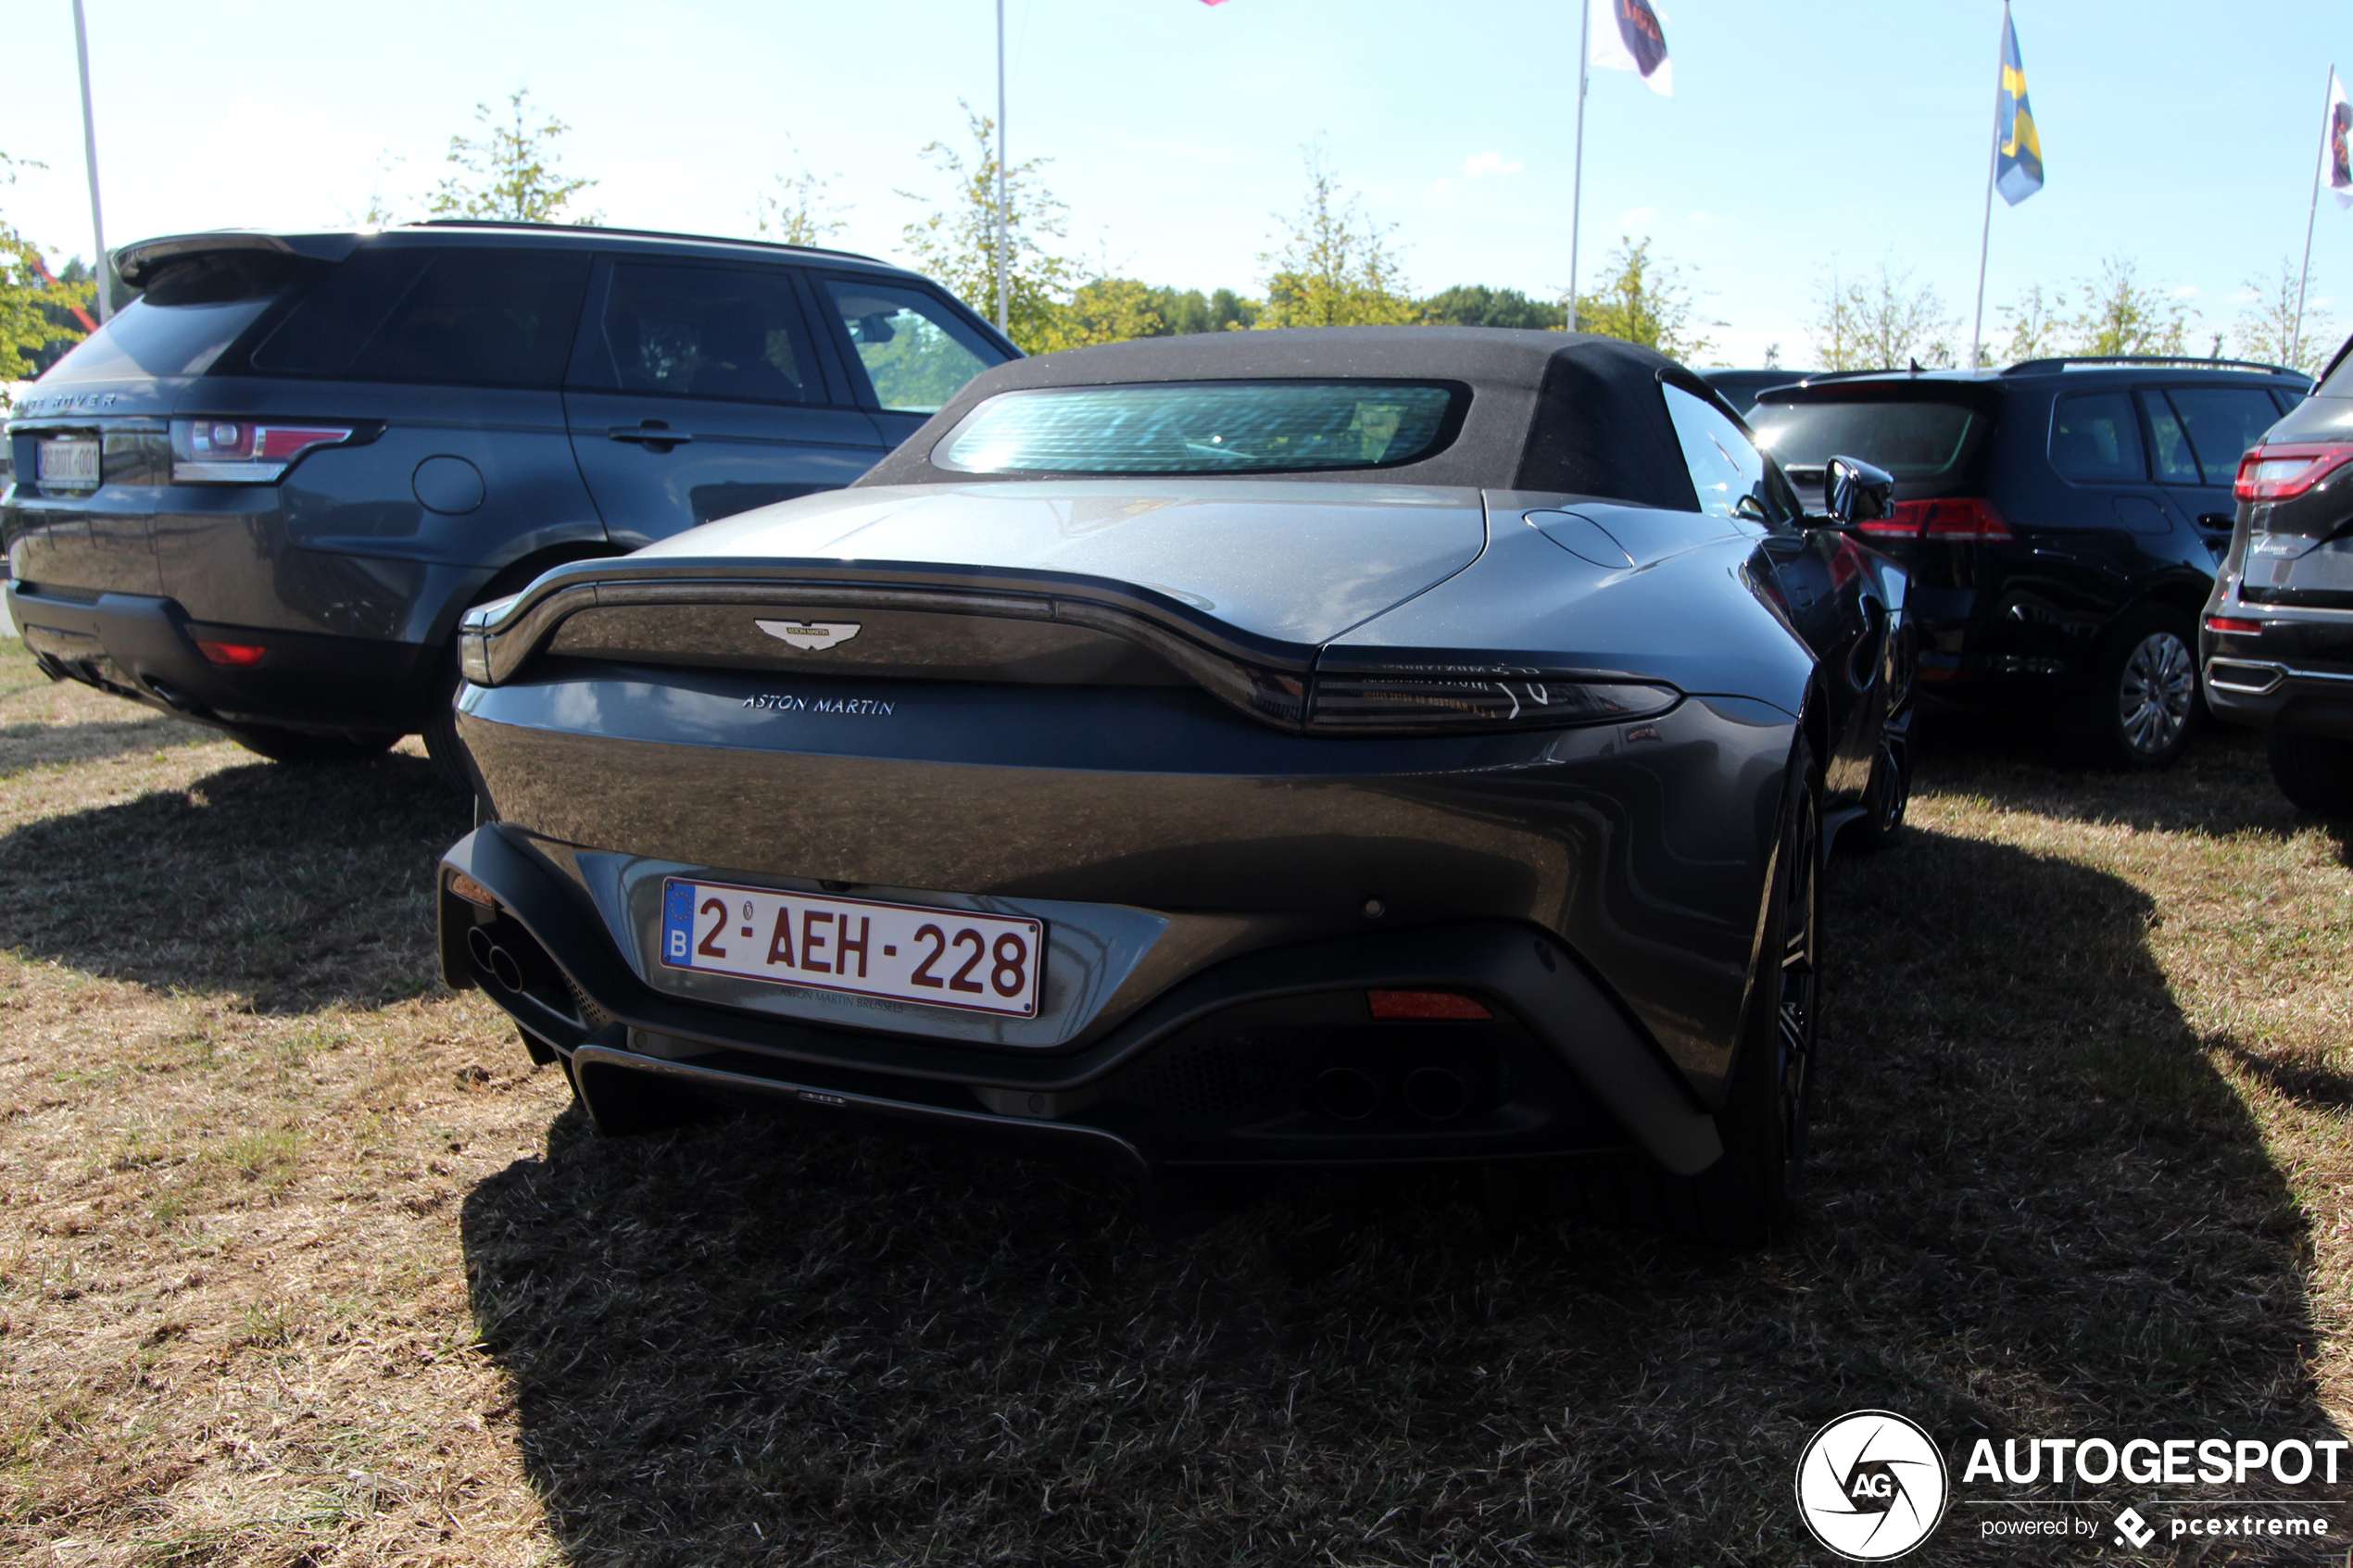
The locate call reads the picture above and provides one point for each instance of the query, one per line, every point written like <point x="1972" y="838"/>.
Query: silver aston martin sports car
<point x="1281" y="748"/>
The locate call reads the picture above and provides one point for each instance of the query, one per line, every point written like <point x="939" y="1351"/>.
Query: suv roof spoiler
<point x="2188" y="361"/>
<point x="135" y="263"/>
<point x="632" y="233"/>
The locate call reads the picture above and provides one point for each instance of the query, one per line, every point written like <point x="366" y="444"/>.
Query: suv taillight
<point x="2279" y="473"/>
<point x="1952" y="520"/>
<point x="243" y="451"/>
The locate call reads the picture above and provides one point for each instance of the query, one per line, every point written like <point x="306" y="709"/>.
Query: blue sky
<point x="1804" y="135"/>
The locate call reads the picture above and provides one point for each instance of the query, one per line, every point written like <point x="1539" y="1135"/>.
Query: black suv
<point x="2279" y="629"/>
<point x="2061" y="520"/>
<point x="263" y="494"/>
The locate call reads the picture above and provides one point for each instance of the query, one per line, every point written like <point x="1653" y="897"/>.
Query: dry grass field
<point x="301" y="1264"/>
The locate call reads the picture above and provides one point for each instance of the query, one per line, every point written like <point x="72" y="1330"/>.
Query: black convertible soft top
<point x="1564" y="412"/>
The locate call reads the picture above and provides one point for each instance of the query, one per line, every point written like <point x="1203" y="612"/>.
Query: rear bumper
<point x="1227" y="1068"/>
<point x="2294" y="674"/>
<point x="145" y="648"/>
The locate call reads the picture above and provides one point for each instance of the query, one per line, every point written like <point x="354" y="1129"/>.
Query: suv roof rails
<point x="1845" y="375"/>
<point x="2060" y="362"/>
<point x="634" y="233"/>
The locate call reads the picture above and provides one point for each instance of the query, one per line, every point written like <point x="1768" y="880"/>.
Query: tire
<point x="1884" y="800"/>
<point x="2314" y="771"/>
<point x="440" y="731"/>
<point x="1749" y="1195"/>
<point x="302" y="746"/>
<point x="2140" y="707"/>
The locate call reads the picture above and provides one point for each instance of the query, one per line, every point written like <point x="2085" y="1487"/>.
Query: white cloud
<point x="1635" y="218"/>
<point x="1479" y="164"/>
<point x="2187" y="291"/>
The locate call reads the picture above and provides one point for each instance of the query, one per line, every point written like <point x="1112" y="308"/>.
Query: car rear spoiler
<point x="136" y="263"/>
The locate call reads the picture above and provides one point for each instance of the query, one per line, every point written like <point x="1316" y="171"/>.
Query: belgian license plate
<point x="908" y="952"/>
<point x="71" y="461"/>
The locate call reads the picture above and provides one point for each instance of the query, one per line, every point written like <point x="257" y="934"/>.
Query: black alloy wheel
<point x="2142" y="705"/>
<point x="1884" y="800"/>
<point x="2314" y="771"/>
<point x="312" y="746"/>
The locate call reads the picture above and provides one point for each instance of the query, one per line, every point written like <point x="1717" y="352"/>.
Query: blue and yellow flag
<point x="2018" y="164"/>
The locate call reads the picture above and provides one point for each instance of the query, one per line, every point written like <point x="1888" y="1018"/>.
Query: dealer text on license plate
<point x="72" y="460"/>
<point x="945" y="958"/>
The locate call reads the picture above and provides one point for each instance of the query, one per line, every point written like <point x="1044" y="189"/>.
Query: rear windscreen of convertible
<point x="1205" y="428"/>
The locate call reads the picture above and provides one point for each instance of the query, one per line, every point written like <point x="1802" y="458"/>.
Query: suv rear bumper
<point x="2296" y="674"/>
<point x="146" y="648"/>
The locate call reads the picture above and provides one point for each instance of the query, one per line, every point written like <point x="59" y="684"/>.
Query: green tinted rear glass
<point x="1204" y="427"/>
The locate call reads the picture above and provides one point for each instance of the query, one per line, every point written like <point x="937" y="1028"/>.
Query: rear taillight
<point x="1951" y="519"/>
<point x="1474" y="699"/>
<point x="243" y="451"/>
<point x="2232" y="623"/>
<point x="2278" y="474"/>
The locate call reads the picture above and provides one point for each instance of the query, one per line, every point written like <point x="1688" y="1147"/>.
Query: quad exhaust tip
<point x="1434" y="1094"/>
<point x="494" y="959"/>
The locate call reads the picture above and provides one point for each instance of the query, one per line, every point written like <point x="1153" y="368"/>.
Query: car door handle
<point x="652" y="434"/>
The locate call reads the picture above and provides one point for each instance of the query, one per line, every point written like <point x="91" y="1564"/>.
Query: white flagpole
<point x="1993" y="161"/>
<point x="2296" y="337"/>
<point x="1577" y="181"/>
<point x="1004" y="283"/>
<point x="90" y="152"/>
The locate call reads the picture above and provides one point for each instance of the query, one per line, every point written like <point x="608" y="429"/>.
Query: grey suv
<point x="263" y="494"/>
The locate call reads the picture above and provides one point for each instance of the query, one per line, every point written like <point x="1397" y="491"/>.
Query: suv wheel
<point x="310" y="746"/>
<point x="2314" y="771"/>
<point x="2142" y="705"/>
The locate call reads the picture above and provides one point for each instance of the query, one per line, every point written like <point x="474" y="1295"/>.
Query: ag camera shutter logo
<point x="1871" y="1486"/>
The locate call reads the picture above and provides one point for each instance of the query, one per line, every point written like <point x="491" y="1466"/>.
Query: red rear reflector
<point x="1425" y="1004"/>
<point x="241" y="655"/>
<point x="2283" y="473"/>
<point x="471" y="891"/>
<point x="2232" y="624"/>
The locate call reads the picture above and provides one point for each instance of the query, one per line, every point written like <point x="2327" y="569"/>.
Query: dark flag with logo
<point x="1626" y="37"/>
<point x="2336" y="146"/>
<point x="2017" y="172"/>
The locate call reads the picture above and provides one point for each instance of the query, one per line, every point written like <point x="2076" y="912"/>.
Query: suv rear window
<point x="1205" y="427"/>
<point x="191" y="309"/>
<point x="452" y="316"/>
<point x="1910" y="439"/>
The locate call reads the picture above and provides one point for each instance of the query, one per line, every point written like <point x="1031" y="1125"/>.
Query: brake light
<point x="240" y="656"/>
<point x="471" y="891"/>
<point x="1499" y="697"/>
<point x="2279" y="473"/>
<point x="1951" y="519"/>
<point x="243" y="451"/>
<point x="1425" y="1004"/>
<point x="2232" y="623"/>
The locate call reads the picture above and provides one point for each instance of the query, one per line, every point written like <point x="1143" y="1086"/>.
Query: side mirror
<point x="1855" y="492"/>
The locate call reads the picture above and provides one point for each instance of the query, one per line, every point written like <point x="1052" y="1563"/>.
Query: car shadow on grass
<point x="2037" y="1211"/>
<point x="35" y="745"/>
<point x="296" y="887"/>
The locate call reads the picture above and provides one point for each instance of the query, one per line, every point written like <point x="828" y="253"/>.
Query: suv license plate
<point x="908" y="952"/>
<point x="72" y="461"/>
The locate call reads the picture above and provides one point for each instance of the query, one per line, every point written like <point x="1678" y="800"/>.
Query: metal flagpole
<point x="1577" y="181"/>
<point x="1004" y="285"/>
<point x="90" y="151"/>
<point x="2296" y="337"/>
<point x="1993" y="161"/>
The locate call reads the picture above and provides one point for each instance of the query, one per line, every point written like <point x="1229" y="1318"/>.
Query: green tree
<point x="510" y="173"/>
<point x="2266" y="330"/>
<point x="1102" y="310"/>
<point x="1880" y="321"/>
<point x="955" y="241"/>
<point x="1473" y="305"/>
<point x="797" y="212"/>
<point x="2121" y="315"/>
<point x="36" y="319"/>
<point x="1644" y="301"/>
<point x="2039" y="325"/>
<point x="1333" y="265"/>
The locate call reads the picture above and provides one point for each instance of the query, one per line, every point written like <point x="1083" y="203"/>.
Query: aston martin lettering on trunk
<point x="785" y="702"/>
<point x="908" y="952"/>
